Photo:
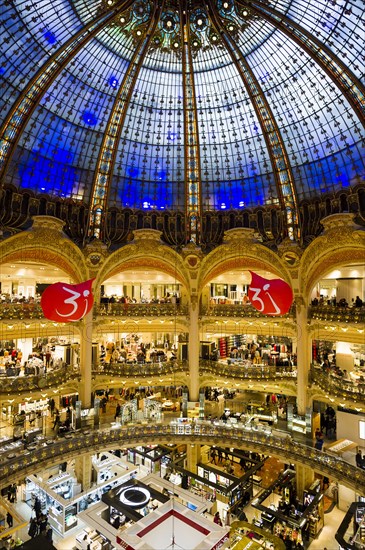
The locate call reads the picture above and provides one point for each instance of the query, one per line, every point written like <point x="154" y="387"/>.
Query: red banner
<point x="270" y="296"/>
<point x="64" y="303"/>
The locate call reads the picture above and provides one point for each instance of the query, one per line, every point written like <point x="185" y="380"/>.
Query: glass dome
<point x="192" y="106"/>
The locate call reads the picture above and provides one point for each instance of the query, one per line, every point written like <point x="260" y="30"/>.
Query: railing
<point x="238" y="310"/>
<point x="327" y="382"/>
<point x="241" y="371"/>
<point x="335" y="385"/>
<point x="20" y="311"/>
<point x="25" y="310"/>
<point x="339" y="314"/>
<point x="141" y="310"/>
<point x="235" y="370"/>
<point x="199" y="432"/>
<point x="54" y="378"/>
<point x="126" y="370"/>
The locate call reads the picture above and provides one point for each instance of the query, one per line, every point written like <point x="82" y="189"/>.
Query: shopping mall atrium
<point x="171" y="152"/>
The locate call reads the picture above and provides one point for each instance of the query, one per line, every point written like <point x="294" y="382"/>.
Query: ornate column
<point x="83" y="471"/>
<point x="304" y="478"/>
<point x="193" y="456"/>
<point x="303" y="355"/>
<point x="193" y="383"/>
<point x="86" y="341"/>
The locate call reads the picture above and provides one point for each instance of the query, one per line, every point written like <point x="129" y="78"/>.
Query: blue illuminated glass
<point x="89" y="118"/>
<point x="50" y="37"/>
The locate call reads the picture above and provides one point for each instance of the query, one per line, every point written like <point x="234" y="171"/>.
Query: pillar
<point x="193" y="457"/>
<point x="304" y="478"/>
<point x="193" y="383"/>
<point x="303" y="357"/>
<point x="86" y="342"/>
<point x="83" y="471"/>
<point x="205" y="296"/>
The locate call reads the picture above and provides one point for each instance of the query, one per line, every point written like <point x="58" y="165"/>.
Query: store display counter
<point x="341" y="446"/>
<point x="258" y="539"/>
<point x="281" y="517"/>
<point x="351" y="532"/>
<point x="191" y="500"/>
<point x="246" y="543"/>
<point x="61" y="497"/>
<point x="92" y="540"/>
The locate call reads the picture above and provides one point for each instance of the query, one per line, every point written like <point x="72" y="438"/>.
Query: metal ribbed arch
<point x="109" y="147"/>
<point x="25" y="105"/>
<point x="193" y="193"/>
<point x="279" y="158"/>
<point x="340" y="74"/>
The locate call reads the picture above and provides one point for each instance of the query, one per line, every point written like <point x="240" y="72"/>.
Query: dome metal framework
<point x="192" y="116"/>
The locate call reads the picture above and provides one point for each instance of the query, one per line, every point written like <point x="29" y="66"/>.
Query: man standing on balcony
<point x="358" y="458"/>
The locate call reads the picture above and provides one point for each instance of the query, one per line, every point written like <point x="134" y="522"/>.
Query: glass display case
<point x="62" y="498"/>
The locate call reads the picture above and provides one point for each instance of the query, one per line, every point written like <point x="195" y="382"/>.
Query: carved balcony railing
<point x="22" y="310"/>
<point x="47" y="453"/>
<point x="324" y="312"/>
<point x="337" y="386"/>
<point x="131" y="370"/>
<point x="141" y="310"/>
<point x="239" y="310"/>
<point x="54" y="378"/>
<point x="246" y="371"/>
<point x="217" y="368"/>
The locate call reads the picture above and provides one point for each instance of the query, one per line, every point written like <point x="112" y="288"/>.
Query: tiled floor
<point x="326" y="538"/>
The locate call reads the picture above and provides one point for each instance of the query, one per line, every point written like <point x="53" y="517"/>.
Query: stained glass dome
<point x="188" y="106"/>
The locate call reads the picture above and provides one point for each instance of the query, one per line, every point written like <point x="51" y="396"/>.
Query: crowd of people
<point x="6" y="298"/>
<point x="37" y="363"/>
<point x="137" y="352"/>
<point x="39" y="524"/>
<point x="342" y="302"/>
<point x="169" y="298"/>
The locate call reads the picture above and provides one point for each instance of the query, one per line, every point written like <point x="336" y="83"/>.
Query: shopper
<point x="33" y="528"/>
<point x="358" y="458"/>
<point x="42" y="523"/>
<point x="49" y="533"/>
<point x="213" y="455"/>
<point x="217" y="519"/>
<point x="9" y="519"/>
<point x="319" y="441"/>
<point x="37" y="508"/>
<point x="57" y="419"/>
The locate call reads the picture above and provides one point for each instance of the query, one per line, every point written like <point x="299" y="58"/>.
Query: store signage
<point x="270" y="296"/>
<point x="123" y="544"/>
<point x="63" y="303"/>
<point x="221" y="542"/>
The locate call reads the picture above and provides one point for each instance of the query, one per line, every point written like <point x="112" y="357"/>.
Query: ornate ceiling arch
<point x="241" y="251"/>
<point x="46" y="243"/>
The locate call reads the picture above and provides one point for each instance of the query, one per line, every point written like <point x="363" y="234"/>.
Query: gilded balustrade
<point x="234" y="370"/>
<point x="199" y="432"/>
<point x="22" y="310"/>
<point x="336" y="385"/>
<point x="33" y="310"/>
<point x="126" y="370"/>
<point x="54" y="378"/>
<point x="141" y="310"/>
<point x="239" y="310"/>
<point x="242" y="371"/>
<point x="324" y="312"/>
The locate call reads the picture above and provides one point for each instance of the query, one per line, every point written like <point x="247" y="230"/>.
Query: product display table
<point x="246" y="543"/>
<point x="341" y="446"/>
